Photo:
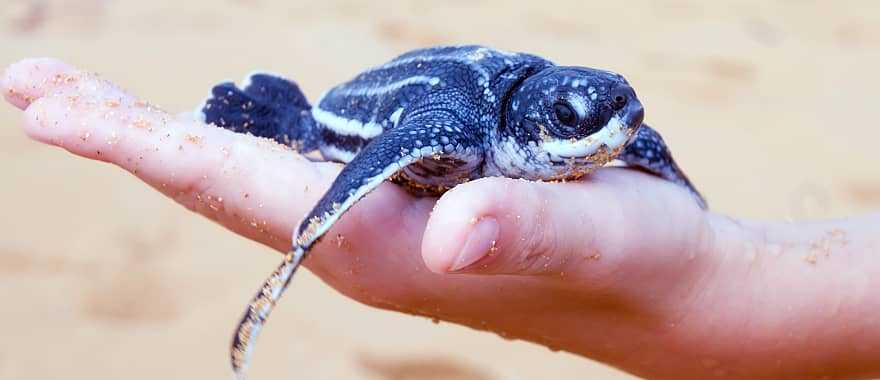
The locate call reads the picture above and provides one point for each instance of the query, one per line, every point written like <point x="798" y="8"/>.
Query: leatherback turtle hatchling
<point x="431" y="119"/>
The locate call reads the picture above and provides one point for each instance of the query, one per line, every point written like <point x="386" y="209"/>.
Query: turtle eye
<point x="619" y="97"/>
<point x="565" y="114"/>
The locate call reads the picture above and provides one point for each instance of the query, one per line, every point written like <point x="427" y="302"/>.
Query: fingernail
<point x="480" y="240"/>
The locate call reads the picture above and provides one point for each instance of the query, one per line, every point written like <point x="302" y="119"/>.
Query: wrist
<point x="805" y="292"/>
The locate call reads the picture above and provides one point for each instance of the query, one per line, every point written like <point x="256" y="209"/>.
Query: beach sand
<point x="770" y="108"/>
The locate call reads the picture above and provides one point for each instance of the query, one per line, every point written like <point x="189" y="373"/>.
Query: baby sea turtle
<point x="431" y="119"/>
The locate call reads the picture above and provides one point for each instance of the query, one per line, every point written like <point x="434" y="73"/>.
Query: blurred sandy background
<point x="770" y="108"/>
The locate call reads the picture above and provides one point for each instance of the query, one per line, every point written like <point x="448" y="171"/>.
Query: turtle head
<point x="575" y="113"/>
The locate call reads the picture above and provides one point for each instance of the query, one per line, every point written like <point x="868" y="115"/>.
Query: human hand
<point x="622" y="267"/>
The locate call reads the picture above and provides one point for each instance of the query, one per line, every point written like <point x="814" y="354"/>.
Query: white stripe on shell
<point x="469" y="59"/>
<point x="613" y="135"/>
<point x="347" y="127"/>
<point x="378" y="90"/>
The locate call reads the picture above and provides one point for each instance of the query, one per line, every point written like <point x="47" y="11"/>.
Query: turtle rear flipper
<point x="267" y="106"/>
<point x="435" y="134"/>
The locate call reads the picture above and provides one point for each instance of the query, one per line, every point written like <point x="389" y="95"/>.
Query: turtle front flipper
<point x="432" y="134"/>
<point x="649" y="152"/>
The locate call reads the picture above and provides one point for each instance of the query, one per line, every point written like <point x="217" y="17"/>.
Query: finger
<point x="34" y="78"/>
<point x="235" y="179"/>
<point x="591" y="231"/>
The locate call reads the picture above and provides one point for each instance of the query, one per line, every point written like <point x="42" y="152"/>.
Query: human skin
<point x="621" y="267"/>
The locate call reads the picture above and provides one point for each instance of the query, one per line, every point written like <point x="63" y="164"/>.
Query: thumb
<point x="594" y="230"/>
<point x="507" y="226"/>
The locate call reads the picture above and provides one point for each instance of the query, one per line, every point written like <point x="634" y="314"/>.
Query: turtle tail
<point x="264" y="105"/>
<point x="259" y="309"/>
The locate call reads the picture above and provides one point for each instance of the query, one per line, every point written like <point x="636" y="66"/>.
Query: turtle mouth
<point x="614" y="135"/>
